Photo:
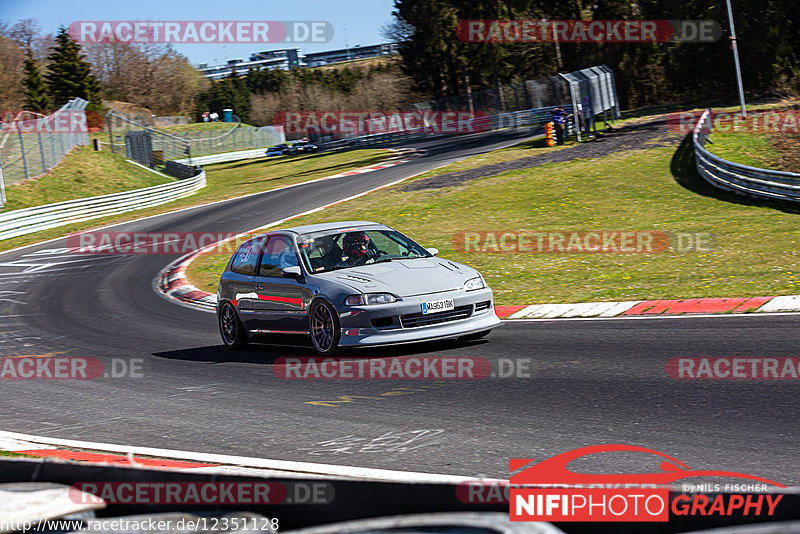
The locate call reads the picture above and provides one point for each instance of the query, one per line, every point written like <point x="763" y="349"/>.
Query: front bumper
<point x="402" y="321"/>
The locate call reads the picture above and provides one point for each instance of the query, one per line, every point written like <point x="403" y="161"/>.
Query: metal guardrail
<point x="28" y="220"/>
<point x="225" y="157"/>
<point x="741" y="179"/>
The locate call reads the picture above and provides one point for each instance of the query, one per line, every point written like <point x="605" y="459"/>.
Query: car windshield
<point x="341" y="249"/>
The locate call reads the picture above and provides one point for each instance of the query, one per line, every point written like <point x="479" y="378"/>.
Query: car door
<point x="240" y="280"/>
<point x="280" y="305"/>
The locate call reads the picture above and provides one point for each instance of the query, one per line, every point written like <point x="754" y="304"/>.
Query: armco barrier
<point x="26" y="221"/>
<point x="741" y="179"/>
<point x="225" y="157"/>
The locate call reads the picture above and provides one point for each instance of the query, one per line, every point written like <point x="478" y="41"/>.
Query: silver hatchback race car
<point x="349" y="284"/>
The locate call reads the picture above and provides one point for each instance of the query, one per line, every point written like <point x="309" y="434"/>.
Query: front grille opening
<point x="382" y="322"/>
<point x="485" y="305"/>
<point x="414" y="320"/>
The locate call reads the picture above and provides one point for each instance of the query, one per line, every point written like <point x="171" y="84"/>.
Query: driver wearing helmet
<point x="358" y="248"/>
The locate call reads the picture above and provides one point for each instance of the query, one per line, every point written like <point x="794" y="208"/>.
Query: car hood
<point x="404" y="278"/>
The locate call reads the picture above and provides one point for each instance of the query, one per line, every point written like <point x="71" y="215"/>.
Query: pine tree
<point x="36" y="98"/>
<point x="70" y="76"/>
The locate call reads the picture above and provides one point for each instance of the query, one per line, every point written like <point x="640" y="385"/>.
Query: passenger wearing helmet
<point x="358" y="248"/>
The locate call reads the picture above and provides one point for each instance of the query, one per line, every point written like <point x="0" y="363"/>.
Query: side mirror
<point x="433" y="251"/>
<point x="291" y="272"/>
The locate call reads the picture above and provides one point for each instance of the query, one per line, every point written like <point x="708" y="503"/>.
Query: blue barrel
<point x="227" y="115"/>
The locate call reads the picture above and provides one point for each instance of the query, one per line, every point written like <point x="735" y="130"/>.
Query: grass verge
<point x="754" y="245"/>
<point x="82" y="173"/>
<point x="16" y="454"/>
<point x="225" y="180"/>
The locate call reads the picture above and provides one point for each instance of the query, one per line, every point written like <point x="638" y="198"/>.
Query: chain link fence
<point x="520" y="96"/>
<point x="142" y="143"/>
<point x="153" y="148"/>
<point x="31" y="144"/>
<point x="588" y="93"/>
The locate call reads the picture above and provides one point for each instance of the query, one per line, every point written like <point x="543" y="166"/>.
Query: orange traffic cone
<point x="548" y="134"/>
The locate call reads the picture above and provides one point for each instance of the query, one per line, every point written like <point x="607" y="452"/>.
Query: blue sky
<point x="359" y="20"/>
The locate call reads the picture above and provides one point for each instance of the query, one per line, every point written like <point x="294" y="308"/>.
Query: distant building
<point x="289" y="58"/>
<point x="348" y="54"/>
<point x="285" y="59"/>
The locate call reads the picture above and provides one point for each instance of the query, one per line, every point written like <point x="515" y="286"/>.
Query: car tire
<point x="475" y="335"/>
<point x="231" y="328"/>
<point x="323" y="324"/>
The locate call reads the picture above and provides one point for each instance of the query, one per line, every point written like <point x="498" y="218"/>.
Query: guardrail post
<point x="2" y="184"/>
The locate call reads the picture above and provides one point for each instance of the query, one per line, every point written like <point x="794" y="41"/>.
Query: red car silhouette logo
<point x="554" y="470"/>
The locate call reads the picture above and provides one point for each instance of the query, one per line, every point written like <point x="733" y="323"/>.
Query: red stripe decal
<point x="288" y="300"/>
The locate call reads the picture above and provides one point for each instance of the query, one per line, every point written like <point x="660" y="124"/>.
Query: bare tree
<point x="12" y="72"/>
<point x="150" y="76"/>
<point x="27" y="33"/>
<point x="382" y="90"/>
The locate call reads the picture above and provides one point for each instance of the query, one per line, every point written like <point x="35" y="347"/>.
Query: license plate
<point x="438" y="306"/>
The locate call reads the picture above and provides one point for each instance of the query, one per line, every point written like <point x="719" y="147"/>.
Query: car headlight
<point x="474" y="283"/>
<point x="370" y="298"/>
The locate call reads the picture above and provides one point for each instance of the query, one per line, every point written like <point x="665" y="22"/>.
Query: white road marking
<point x="285" y="466"/>
<point x="388" y="442"/>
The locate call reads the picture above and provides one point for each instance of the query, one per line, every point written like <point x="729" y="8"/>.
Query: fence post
<point x="54" y="160"/>
<point x="61" y="146"/>
<point x="22" y="151"/>
<point x="41" y="150"/>
<point x="109" y="121"/>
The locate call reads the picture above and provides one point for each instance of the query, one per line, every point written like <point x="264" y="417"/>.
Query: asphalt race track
<point x="589" y="382"/>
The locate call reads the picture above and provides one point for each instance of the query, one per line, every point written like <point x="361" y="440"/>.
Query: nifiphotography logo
<point x="550" y="491"/>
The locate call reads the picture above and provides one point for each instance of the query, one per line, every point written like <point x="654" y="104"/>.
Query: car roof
<point x="311" y="228"/>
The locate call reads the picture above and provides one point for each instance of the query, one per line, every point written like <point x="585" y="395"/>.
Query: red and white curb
<point x="409" y="153"/>
<point x="199" y="462"/>
<point x="172" y="283"/>
<point x="652" y="308"/>
<point x="31" y="446"/>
